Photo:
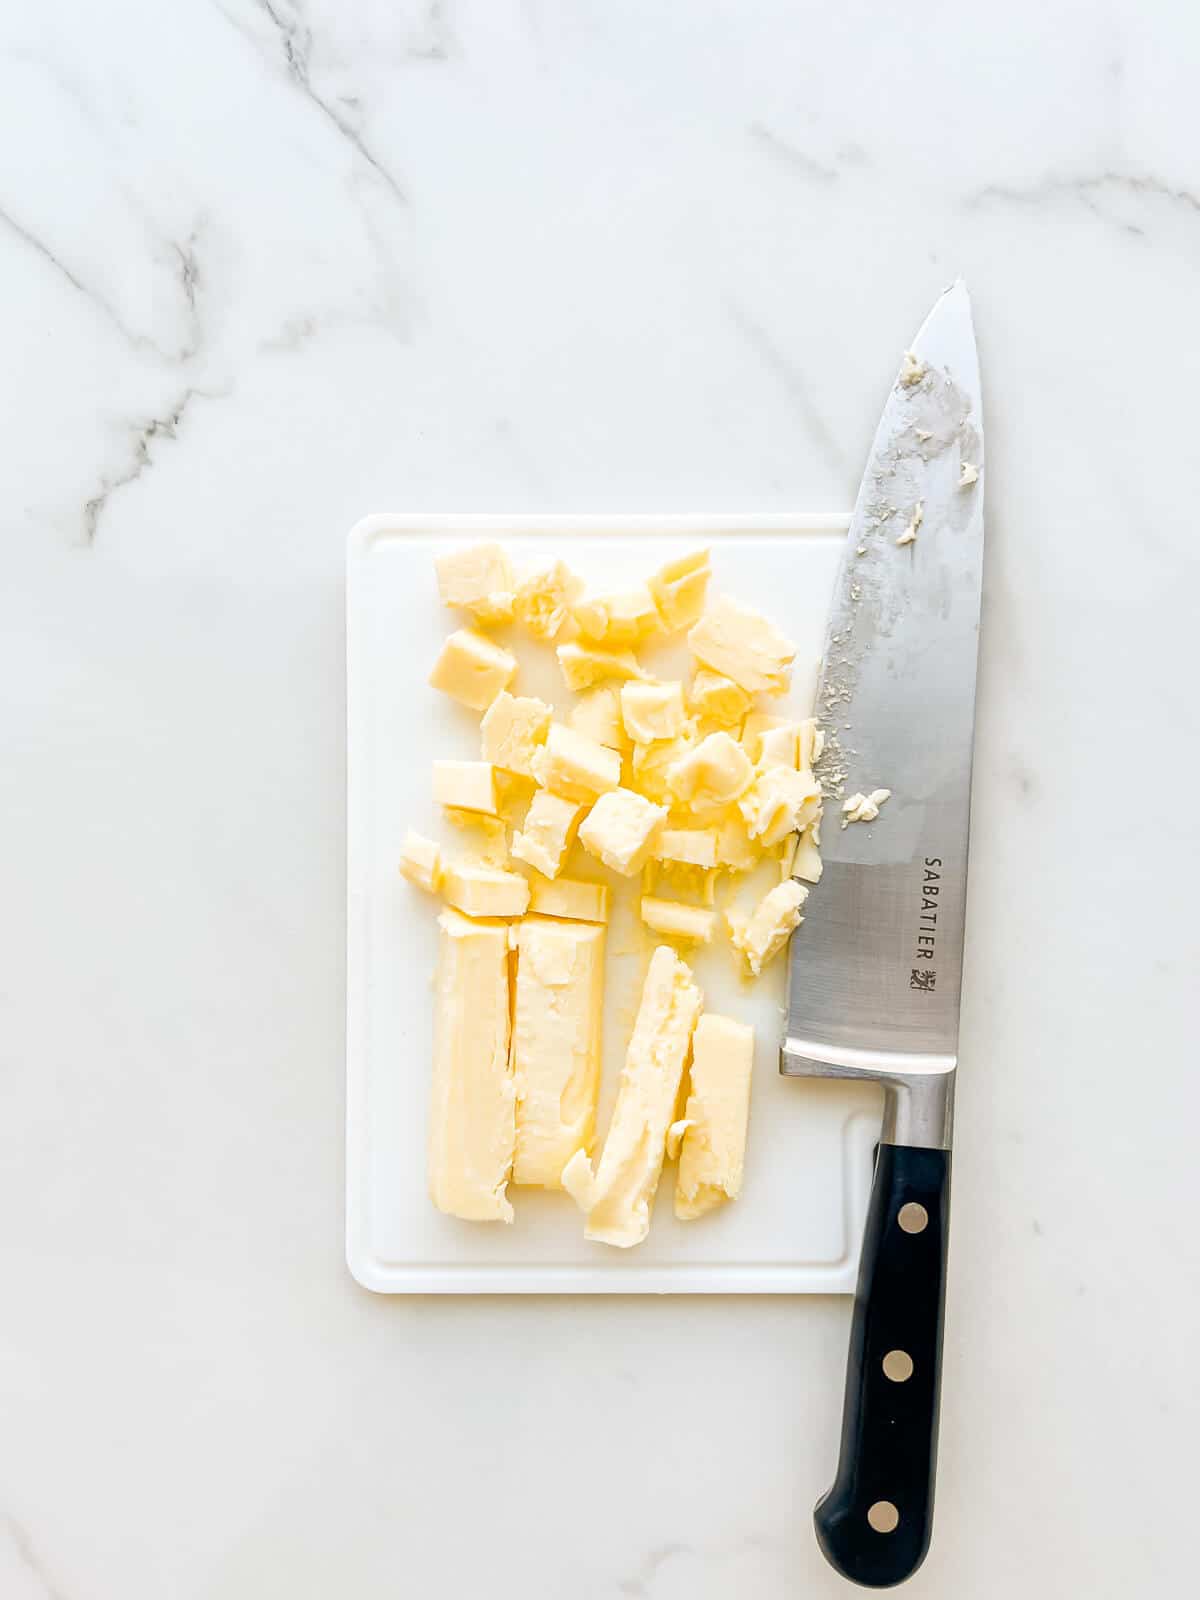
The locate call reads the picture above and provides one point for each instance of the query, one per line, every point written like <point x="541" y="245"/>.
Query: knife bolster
<point x="918" y="1093"/>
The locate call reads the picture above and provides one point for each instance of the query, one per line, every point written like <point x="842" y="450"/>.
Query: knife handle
<point x="875" y="1522"/>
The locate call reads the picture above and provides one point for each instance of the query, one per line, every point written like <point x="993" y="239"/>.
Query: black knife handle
<point x="875" y="1522"/>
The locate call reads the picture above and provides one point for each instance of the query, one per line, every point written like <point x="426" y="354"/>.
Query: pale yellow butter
<point x="679" y="588"/>
<point x="597" y="713"/>
<point x="472" y="669"/>
<point x="479" y="580"/>
<point x="556" y="1044"/>
<point x="513" y="729"/>
<point x="712" y="774"/>
<point x="468" y="785"/>
<point x="479" y="891"/>
<point x="712" y="1155"/>
<point x="616" y="619"/>
<point x="573" y="898"/>
<point x="736" y="851"/>
<point x="740" y="644"/>
<point x="652" y="711"/>
<point x="620" y="830"/>
<point x="472" y="1125"/>
<point x="544" y="599"/>
<point x="488" y="835"/>
<point x="806" y="863"/>
<point x="675" y="920"/>
<point x="575" y="766"/>
<point x="650" y="763"/>
<point x="763" y="934"/>
<point x="696" y="846"/>
<point x="758" y="724"/>
<point x="864" y="807"/>
<point x="421" y="861"/>
<point x="779" y="801"/>
<point x="584" y="664"/>
<point x="619" y="1197"/>
<point x="779" y="747"/>
<point x="547" y="832"/>
<point x="718" y="700"/>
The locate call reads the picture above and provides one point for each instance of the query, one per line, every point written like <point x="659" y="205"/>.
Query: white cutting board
<point x="796" y="1226"/>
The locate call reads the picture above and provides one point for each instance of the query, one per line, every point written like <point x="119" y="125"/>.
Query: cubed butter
<point x="572" y="898"/>
<point x="696" y="846"/>
<point x="472" y="669"/>
<point x="741" y="644"/>
<point x="712" y="774"/>
<point x="544" y="599"/>
<point x="620" y="830"/>
<point x="650" y="763"/>
<point x="736" y="851"/>
<point x="479" y="580"/>
<point x="675" y="920"/>
<point x="679" y="588"/>
<point x="479" y="891"/>
<point x="469" y="785"/>
<point x="575" y="766"/>
<point x="584" y="664"/>
<point x="487" y="835"/>
<point x="556" y="1038"/>
<point x="779" y="801"/>
<point x="616" y="619"/>
<point x="765" y="932"/>
<point x="597" y="713"/>
<point x="619" y="1196"/>
<point x="652" y="711"/>
<point x="758" y="724"/>
<point x="718" y="700"/>
<point x="513" y="729"/>
<point x="547" y="832"/>
<point x="779" y="747"/>
<point x="421" y="861"/>
<point x="712" y="1156"/>
<point x="472" y="1125"/>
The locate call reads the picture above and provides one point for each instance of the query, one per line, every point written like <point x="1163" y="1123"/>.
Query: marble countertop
<point x="268" y="266"/>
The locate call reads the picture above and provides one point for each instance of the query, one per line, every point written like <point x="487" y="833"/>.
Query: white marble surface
<point x="269" y="266"/>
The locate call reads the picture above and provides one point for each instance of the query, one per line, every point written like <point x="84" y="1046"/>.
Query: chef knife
<point x="875" y="977"/>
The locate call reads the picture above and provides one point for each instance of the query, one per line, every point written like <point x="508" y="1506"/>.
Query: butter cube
<point x="556" y="1040"/>
<point x="677" y="921"/>
<point x="544" y="599"/>
<point x="548" y="830"/>
<point x="615" y="619"/>
<point x="779" y="801"/>
<point x="469" y="785"/>
<point x="572" y="898"/>
<point x="472" y="669"/>
<point x="488" y="835"/>
<point x="696" y="846"/>
<point x="479" y="891"/>
<point x="756" y="725"/>
<point x="620" y="829"/>
<point x="421" y="862"/>
<point x="718" y="700"/>
<point x="806" y="863"/>
<point x="739" y="643"/>
<point x="652" y="711"/>
<point x="651" y="762"/>
<point x="762" y="935"/>
<point x="575" y="766"/>
<point x="716" y="772"/>
<point x="779" y="747"/>
<point x="618" y="1197"/>
<point x="712" y="1156"/>
<point x="585" y="664"/>
<point x="514" y="727"/>
<point x="736" y="852"/>
<point x="478" y="580"/>
<point x="597" y="714"/>
<point x="472" y="1124"/>
<point x="679" y="588"/>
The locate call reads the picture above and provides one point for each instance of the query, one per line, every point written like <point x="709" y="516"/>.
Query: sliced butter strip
<point x="806" y="863"/>
<point x="478" y="579"/>
<point x="471" y="1103"/>
<point x="472" y="669"/>
<point x="712" y="1154"/>
<point x="741" y="644"/>
<point x="573" y="898"/>
<point x="619" y="1196"/>
<point x="481" y="891"/>
<point x="674" y="920"/>
<point x="695" y="846"/>
<point x="556" y="1045"/>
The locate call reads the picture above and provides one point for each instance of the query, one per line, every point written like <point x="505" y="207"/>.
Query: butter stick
<point x="471" y="1105"/>
<point x="713" y="1152"/>
<point x="556" y="1044"/>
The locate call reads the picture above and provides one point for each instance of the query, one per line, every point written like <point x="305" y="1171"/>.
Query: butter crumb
<point x="969" y="475"/>
<point x="864" y="807"/>
<point x="918" y="517"/>
<point x="912" y="370"/>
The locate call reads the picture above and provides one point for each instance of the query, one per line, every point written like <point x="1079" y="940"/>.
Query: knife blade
<point x="875" y="979"/>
